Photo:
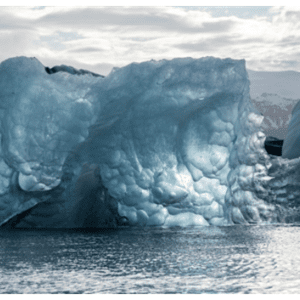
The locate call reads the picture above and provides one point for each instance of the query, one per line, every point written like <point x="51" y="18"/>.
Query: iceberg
<point x="159" y="143"/>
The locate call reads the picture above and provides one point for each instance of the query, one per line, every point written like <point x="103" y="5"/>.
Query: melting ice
<point x="164" y="143"/>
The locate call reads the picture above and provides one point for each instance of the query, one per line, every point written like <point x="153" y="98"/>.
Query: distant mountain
<point x="277" y="112"/>
<point x="275" y="94"/>
<point x="285" y="84"/>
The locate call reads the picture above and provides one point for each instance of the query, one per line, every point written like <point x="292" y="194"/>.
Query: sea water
<point x="233" y="259"/>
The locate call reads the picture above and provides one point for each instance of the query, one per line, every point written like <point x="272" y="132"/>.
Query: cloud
<point x="58" y="41"/>
<point x="10" y="22"/>
<point x="267" y="38"/>
<point x="141" y="19"/>
<point x="205" y="44"/>
<point x="87" y="49"/>
<point x="218" y="43"/>
<point x="16" y="43"/>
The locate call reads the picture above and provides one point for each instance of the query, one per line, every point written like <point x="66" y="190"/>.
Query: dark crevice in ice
<point x="273" y="146"/>
<point x="71" y="70"/>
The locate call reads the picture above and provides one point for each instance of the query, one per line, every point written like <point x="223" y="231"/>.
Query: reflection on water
<point x="237" y="259"/>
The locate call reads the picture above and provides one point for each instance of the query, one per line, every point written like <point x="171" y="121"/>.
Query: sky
<point x="100" y="38"/>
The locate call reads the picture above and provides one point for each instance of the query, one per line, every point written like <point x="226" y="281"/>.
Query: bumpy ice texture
<point x="43" y="117"/>
<point x="174" y="143"/>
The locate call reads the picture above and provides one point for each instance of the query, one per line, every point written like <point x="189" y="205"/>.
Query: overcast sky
<point x="98" y="38"/>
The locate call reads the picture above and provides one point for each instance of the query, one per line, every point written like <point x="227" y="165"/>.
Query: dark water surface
<point x="237" y="259"/>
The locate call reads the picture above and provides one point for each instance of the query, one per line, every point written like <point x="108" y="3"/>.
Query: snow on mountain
<point x="275" y="94"/>
<point x="277" y="112"/>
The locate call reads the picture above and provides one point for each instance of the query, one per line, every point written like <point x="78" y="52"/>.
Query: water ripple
<point x="238" y="259"/>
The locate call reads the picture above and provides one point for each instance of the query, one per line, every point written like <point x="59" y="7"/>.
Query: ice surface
<point x="43" y="118"/>
<point x="291" y="145"/>
<point x="164" y="143"/>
